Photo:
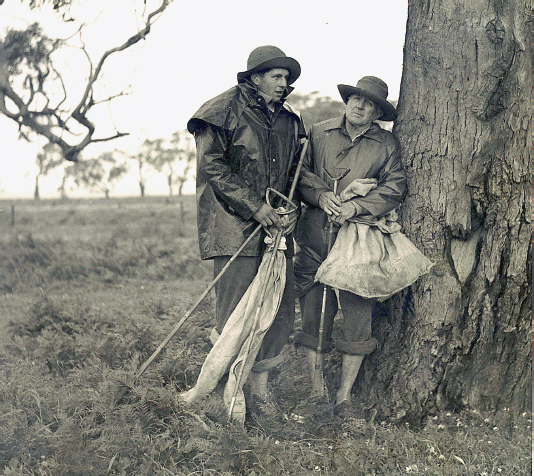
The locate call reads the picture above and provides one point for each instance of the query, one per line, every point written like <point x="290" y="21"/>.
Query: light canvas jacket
<point x="374" y="154"/>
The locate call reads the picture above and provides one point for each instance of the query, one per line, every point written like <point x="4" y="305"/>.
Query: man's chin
<point x="356" y="121"/>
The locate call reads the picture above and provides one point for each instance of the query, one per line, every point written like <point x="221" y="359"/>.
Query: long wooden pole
<point x="318" y="385"/>
<point x="177" y="327"/>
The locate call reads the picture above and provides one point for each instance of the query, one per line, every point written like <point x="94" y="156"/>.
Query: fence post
<point x="12" y="215"/>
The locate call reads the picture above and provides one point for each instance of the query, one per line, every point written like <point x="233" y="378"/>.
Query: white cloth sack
<point x="370" y="263"/>
<point x="233" y="341"/>
<point x="372" y="259"/>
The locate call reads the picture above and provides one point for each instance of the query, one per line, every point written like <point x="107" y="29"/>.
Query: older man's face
<point x="360" y="111"/>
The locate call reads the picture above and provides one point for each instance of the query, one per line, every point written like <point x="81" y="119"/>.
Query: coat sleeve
<point x="310" y="185"/>
<point x="214" y="170"/>
<point x="389" y="193"/>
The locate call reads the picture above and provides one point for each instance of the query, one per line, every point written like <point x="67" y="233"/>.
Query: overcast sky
<point x="194" y="52"/>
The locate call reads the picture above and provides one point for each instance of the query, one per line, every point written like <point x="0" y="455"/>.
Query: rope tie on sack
<point x="269" y="241"/>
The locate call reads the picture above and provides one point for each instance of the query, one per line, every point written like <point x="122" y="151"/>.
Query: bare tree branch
<point x="116" y="136"/>
<point x="48" y="121"/>
<point x="131" y="41"/>
<point x="124" y="92"/>
<point x="58" y="75"/>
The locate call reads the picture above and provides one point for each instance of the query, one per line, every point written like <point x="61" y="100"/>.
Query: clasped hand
<point x="339" y="212"/>
<point x="268" y="217"/>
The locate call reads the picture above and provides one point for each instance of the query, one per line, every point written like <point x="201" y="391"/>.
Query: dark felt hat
<point x="376" y="90"/>
<point x="269" y="57"/>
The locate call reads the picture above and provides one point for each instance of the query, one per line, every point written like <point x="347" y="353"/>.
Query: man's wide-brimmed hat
<point x="376" y="90"/>
<point x="269" y="57"/>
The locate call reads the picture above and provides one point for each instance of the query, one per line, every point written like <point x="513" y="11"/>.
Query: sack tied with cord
<point x="371" y="257"/>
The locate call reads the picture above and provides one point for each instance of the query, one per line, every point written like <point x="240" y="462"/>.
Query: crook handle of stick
<point x="292" y="205"/>
<point x="338" y="178"/>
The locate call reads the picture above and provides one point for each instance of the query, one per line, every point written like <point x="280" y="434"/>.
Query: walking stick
<point x="270" y="263"/>
<point x="186" y="316"/>
<point x="319" y="357"/>
<point x="197" y="302"/>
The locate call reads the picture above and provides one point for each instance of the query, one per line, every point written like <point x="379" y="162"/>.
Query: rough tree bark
<point x="461" y="336"/>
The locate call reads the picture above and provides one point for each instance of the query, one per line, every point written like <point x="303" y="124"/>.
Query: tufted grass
<point x="90" y="288"/>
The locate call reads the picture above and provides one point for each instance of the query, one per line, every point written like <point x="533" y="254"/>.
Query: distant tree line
<point x="173" y="157"/>
<point x="315" y="108"/>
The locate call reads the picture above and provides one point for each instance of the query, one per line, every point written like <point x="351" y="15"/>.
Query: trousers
<point x="357" y="321"/>
<point x="230" y="289"/>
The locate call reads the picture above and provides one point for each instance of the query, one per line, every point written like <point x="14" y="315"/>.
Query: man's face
<point x="273" y="82"/>
<point x="360" y="111"/>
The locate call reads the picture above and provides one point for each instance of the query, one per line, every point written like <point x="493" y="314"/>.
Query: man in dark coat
<point x="356" y="143"/>
<point x="247" y="141"/>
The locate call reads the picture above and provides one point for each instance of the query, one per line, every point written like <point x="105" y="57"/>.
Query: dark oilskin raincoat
<point x="242" y="149"/>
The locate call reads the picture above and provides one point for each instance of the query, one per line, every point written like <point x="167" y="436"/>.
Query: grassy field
<point x="88" y="290"/>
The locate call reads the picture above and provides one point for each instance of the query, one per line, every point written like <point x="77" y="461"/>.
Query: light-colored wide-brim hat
<point x="374" y="89"/>
<point x="269" y="57"/>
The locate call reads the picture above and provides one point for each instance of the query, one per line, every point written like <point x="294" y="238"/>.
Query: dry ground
<point x="89" y="288"/>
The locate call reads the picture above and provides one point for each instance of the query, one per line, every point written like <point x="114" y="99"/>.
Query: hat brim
<point x="285" y="62"/>
<point x="389" y="111"/>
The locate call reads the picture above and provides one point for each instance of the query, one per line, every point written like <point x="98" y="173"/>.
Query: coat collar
<point x="374" y="132"/>
<point x="251" y="93"/>
<point x="225" y="109"/>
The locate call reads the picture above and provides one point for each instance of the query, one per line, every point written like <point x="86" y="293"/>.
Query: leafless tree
<point x="30" y="79"/>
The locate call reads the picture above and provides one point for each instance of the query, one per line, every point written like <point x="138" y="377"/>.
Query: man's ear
<point x="255" y="78"/>
<point x="379" y="113"/>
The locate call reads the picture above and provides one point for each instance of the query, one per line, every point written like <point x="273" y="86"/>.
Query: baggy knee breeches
<point x="357" y="319"/>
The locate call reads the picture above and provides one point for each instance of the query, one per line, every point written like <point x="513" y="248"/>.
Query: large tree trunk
<point x="461" y="335"/>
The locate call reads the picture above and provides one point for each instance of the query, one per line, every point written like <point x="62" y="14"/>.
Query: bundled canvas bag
<point x="229" y="351"/>
<point x="371" y="257"/>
